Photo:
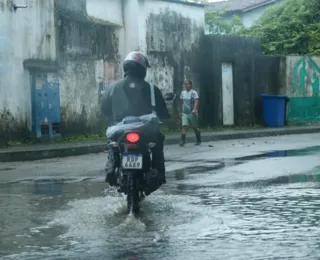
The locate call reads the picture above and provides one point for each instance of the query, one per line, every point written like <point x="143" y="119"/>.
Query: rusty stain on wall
<point x="109" y="71"/>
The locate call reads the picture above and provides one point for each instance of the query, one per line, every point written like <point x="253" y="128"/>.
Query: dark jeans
<point x="157" y="157"/>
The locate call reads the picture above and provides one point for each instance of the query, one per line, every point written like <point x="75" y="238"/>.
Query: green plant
<point x="218" y="25"/>
<point x="216" y="22"/>
<point x="290" y="27"/>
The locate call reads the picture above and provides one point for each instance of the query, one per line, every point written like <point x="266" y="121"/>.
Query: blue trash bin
<point x="274" y="109"/>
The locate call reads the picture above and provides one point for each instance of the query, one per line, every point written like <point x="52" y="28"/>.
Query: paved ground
<point x="45" y="151"/>
<point x="241" y="199"/>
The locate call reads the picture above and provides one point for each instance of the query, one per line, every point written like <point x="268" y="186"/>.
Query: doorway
<point x="45" y="104"/>
<point x="227" y="94"/>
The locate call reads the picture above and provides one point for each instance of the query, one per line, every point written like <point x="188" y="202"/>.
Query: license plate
<point x="131" y="161"/>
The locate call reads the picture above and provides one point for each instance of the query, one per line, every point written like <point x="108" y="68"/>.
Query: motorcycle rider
<point x="131" y="96"/>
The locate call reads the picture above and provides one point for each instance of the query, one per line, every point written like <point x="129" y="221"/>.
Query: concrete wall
<point x="84" y="43"/>
<point x="268" y="78"/>
<point x="24" y="34"/>
<point x="162" y="29"/>
<point x="110" y="11"/>
<point x="249" y="71"/>
<point x="167" y="31"/>
<point x="255" y="74"/>
<point x="87" y="54"/>
<point x="303" y="87"/>
<point x="173" y="34"/>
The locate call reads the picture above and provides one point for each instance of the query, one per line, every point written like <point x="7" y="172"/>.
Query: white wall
<point x="131" y="24"/>
<point x="25" y="34"/>
<point x="133" y="35"/>
<point x="195" y="13"/>
<point x="250" y="17"/>
<point x="123" y="13"/>
<point x="162" y="72"/>
<point x="110" y="10"/>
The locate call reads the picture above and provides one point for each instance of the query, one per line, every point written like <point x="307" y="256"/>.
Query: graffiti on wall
<point x="304" y="104"/>
<point x="306" y="78"/>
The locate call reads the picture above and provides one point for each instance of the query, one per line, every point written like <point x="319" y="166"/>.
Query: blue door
<point x="46" y="117"/>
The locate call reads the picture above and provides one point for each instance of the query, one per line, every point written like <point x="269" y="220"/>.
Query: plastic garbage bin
<point x="286" y="112"/>
<point x="274" y="109"/>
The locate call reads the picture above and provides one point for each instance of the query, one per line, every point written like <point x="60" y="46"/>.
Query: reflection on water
<point x="276" y="218"/>
<point x="283" y="153"/>
<point x="53" y="188"/>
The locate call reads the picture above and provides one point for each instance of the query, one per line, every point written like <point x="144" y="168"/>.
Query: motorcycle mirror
<point x="170" y="96"/>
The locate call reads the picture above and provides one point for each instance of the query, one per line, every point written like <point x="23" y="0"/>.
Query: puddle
<point x="219" y="165"/>
<point x="49" y="180"/>
<point x="6" y="169"/>
<point x="282" y="153"/>
<point x="191" y="218"/>
<point x="281" y="180"/>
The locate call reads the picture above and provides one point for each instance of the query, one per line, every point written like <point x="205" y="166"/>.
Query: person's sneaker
<point x="198" y="138"/>
<point x="183" y="140"/>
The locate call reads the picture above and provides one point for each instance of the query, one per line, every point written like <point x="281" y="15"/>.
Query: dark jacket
<point x="131" y="97"/>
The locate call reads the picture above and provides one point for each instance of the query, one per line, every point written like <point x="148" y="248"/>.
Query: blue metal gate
<point x="46" y="116"/>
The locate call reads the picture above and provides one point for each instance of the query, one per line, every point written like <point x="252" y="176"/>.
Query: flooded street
<point x="243" y="199"/>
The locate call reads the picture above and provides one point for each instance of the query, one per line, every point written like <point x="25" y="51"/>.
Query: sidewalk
<point x="46" y="151"/>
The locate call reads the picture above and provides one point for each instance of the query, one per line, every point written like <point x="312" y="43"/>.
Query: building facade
<point x="57" y="55"/>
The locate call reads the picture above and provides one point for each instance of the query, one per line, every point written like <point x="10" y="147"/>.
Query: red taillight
<point x="133" y="137"/>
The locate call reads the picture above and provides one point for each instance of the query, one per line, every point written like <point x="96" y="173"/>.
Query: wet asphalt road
<point x="242" y="199"/>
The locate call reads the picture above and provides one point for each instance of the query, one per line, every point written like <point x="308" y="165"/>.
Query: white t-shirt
<point x="188" y="98"/>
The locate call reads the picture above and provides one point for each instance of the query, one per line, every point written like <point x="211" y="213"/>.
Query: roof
<point x="75" y="10"/>
<point x="239" y="5"/>
<point x="184" y="3"/>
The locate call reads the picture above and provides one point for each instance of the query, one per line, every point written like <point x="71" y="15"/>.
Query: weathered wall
<point x="162" y="29"/>
<point x="24" y="34"/>
<point x="88" y="39"/>
<point x="87" y="54"/>
<point x="173" y="33"/>
<point x="303" y="87"/>
<point x="253" y="74"/>
<point x="110" y="11"/>
<point x="132" y="12"/>
<point x="268" y="78"/>
<point x="169" y="32"/>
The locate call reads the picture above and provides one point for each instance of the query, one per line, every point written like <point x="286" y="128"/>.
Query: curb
<point x="40" y="154"/>
<point x="244" y="135"/>
<point x="48" y="153"/>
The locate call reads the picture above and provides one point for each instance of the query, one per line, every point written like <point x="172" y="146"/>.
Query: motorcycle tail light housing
<point x="133" y="137"/>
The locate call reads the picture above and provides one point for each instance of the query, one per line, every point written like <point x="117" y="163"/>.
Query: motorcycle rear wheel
<point x="133" y="198"/>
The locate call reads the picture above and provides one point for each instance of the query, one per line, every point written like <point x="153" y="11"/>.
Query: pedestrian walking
<point x="189" y="101"/>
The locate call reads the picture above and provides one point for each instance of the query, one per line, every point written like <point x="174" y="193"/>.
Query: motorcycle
<point x="135" y="176"/>
<point x="132" y="144"/>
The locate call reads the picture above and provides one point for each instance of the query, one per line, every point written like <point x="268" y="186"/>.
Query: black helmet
<point x="138" y="57"/>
